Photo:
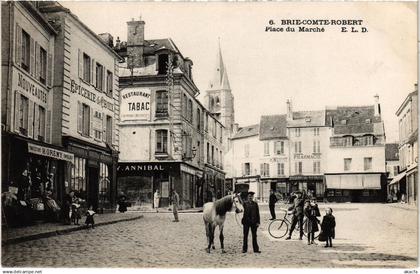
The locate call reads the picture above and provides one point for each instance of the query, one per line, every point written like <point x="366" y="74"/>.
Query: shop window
<point x="26" y="50"/>
<point x="86" y="68"/>
<point x="162" y="141"/>
<point x="109" y="83"/>
<point x="266" y="148"/>
<point x="280" y="169"/>
<point x="346" y="193"/>
<point x="99" y="76"/>
<point x="78" y="177"/>
<point x="41" y="123"/>
<point x="23" y="115"/>
<point x="330" y="193"/>
<point x="104" y="184"/>
<point x="338" y="192"/>
<point x="279" y="147"/>
<point x="161" y="103"/>
<point x="42" y="65"/>
<point x="347" y="164"/>
<point x="367" y="163"/>
<point x="365" y="193"/>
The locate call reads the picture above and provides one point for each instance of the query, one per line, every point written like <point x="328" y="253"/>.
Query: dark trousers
<point x="329" y="240"/>
<point x="295" y="220"/>
<point x="311" y="237"/>
<point x="254" y="237"/>
<point x="272" y="211"/>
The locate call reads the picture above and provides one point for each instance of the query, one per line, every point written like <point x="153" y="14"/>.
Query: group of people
<point x="71" y="212"/>
<point x="303" y="206"/>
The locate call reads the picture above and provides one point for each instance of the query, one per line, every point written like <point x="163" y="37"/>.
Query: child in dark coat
<point x="89" y="217"/>
<point x="311" y="212"/>
<point x="328" y="227"/>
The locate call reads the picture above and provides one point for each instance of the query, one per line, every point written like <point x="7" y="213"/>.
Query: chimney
<point x="235" y="128"/>
<point x="377" y="106"/>
<point x="107" y="39"/>
<point x="135" y="43"/>
<point x="289" y="110"/>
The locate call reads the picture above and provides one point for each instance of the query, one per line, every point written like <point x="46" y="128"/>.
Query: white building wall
<point x="336" y="158"/>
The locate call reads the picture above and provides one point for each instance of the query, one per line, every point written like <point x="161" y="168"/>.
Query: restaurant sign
<point x="135" y="104"/>
<point x="50" y="152"/>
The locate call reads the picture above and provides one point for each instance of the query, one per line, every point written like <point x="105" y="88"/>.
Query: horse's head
<point x="238" y="203"/>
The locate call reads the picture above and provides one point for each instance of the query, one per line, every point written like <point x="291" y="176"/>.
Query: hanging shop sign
<point x="50" y="152"/>
<point x="95" y="97"/>
<point x="135" y="104"/>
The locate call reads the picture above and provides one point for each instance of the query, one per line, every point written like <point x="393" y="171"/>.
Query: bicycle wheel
<point x="278" y="228"/>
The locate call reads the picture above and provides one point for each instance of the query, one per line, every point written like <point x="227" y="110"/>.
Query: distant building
<point x="392" y="168"/>
<point x="407" y="115"/>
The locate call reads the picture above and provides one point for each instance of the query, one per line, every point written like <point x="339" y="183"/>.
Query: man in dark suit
<point x="298" y="204"/>
<point x="251" y="219"/>
<point x="272" y="204"/>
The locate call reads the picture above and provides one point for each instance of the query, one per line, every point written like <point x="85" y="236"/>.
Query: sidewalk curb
<point x="61" y="232"/>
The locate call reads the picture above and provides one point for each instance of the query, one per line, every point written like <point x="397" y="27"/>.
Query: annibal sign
<point x="135" y="104"/>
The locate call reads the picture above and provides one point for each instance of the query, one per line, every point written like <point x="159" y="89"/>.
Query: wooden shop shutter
<point x="17" y="111"/>
<point x="79" y="117"/>
<point x="48" y="123"/>
<point x="18" y="46"/>
<point x="80" y="53"/>
<point x="49" y="70"/>
<point x="31" y="119"/>
<point x="32" y="56"/>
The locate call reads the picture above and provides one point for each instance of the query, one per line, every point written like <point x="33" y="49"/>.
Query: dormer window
<point x="163" y="63"/>
<point x="343" y="122"/>
<point x="348" y="141"/>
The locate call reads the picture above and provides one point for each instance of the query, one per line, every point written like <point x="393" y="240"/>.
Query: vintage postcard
<point x="209" y="135"/>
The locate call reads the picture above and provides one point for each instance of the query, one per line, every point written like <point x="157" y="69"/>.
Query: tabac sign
<point x="135" y="104"/>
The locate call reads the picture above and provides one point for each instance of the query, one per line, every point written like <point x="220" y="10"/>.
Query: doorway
<point x="93" y="188"/>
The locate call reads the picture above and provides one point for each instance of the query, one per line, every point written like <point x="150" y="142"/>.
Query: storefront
<point x="313" y="185"/>
<point x="214" y="184"/>
<point x="92" y="174"/>
<point x="138" y="181"/>
<point x="245" y="184"/>
<point x="32" y="175"/>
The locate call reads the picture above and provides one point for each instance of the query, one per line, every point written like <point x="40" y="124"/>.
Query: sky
<point x="265" y="69"/>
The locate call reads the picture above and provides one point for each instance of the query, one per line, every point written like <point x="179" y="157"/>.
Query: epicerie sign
<point x="135" y="104"/>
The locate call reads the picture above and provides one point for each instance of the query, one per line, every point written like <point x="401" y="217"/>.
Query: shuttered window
<point x="85" y="120"/>
<point x="86" y="68"/>
<point x="109" y="83"/>
<point x="161" y="103"/>
<point x="99" y="76"/>
<point x="41" y="123"/>
<point x="23" y="113"/>
<point x="26" y="51"/>
<point x="109" y="129"/>
<point x="42" y="65"/>
<point x="162" y="141"/>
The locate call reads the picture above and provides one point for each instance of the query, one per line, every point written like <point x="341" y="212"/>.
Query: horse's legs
<point x="221" y="238"/>
<point x="213" y="228"/>
<point x="207" y="226"/>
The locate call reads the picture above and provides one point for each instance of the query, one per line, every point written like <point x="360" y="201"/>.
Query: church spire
<point x="220" y="78"/>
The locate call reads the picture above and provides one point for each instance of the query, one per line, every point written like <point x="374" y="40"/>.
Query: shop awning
<point x="397" y="178"/>
<point x="353" y="181"/>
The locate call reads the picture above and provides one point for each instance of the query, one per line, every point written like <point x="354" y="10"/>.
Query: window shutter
<point x="80" y="64"/>
<point x="262" y="169"/>
<point x="36" y="121"/>
<point x="268" y="169"/>
<point x="37" y="61"/>
<point x="91" y="131"/>
<point x="114" y="133"/>
<point x="93" y="73"/>
<point x="32" y="56"/>
<point x="104" y="78"/>
<point x="17" y="106"/>
<point x="31" y="119"/>
<point x="48" y="126"/>
<point x="49" y="70"/>
<point x="18" y="49"/>
<point x="104" y="133"/>
<point x="79" y="117"/>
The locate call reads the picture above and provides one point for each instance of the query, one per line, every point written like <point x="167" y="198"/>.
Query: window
<point x="198" y="119"/>
<point x="41" y="123"/>
<point x="369" y="140"/>
<point x="85" y="120"/>
<point x="367" y="163"/>
<point x="184" y="106"/>
<point x="347" y="164"/>
<point x="109" y="129"/>
<point x="280" y="169"/>
<point x="208" y="153"/>
<point x="43" y="65"/>
<point x="161" y="103"/>
<point x="316" y="131"/>
<point x="246" y="150"/>
<point x="214" y="127"/>
<point x="297" y="132"/>
<point x="198" y="151"/>
<point x="212" y="155"/>
<point x="298" y="167"/>
<point x="163" y="63"/>
<point x="162" y="141"/>
<point x="396" y="170"/>
<point x="265" y="169"/>
<point x="78" y="176"/>
<point x="279" y="147"/>
<point x="221" y="159"/>
<point x="316" y="147"/>
<point x="348" y="141"/>
<point x="26" y="51"/>
<point x="298" y="147"/>
<point x="23" y="115"/>
<point x="86" y="68"/>
<point x="99" y="76"/>
<point x="190" y="111"/>
<point x="266" y="148"/>
<point x="246" y="169"/>
<point x="109" y="83"/>
<point x="216" y="160"/>
<point x="104" y="184"/>
<point x="317" y="167"/>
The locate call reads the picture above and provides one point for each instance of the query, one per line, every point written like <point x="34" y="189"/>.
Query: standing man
<point x="156" y="198"/>
<point x="298" y="204"/>
<point x="272" y="204"/>
<point x="175" y="205"/>
<point x="251" y="219"/>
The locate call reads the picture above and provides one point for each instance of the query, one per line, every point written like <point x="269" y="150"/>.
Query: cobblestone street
<point x="367" y="235"/>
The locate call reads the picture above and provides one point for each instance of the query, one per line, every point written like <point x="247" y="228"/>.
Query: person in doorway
<point x="272" y="204"/>
<point x="175" y="205"/>
<point x="156" y="198"/>
<point x="122" y="205"/>
<point x="251" y="220"/>
<point x="297" y="210"/>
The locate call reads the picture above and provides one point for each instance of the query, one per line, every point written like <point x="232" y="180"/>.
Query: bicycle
<point x="279" y="228"/>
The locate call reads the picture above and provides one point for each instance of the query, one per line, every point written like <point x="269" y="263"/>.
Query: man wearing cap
<point x="298" y="204"/>
<point x="251" y="219"/>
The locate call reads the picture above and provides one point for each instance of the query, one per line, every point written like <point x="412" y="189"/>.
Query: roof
<point x="391" y="152"/>
<point x="220" y="79"/>
<point x="406" y="100"/>
<point x="273" y="126"/>
<point x="307" y="119"/>
<point x="354" y="120"/>
<point x="247" y="131"/>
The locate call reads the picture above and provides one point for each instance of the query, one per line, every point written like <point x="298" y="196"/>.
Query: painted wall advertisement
<point x="135" y="104"/>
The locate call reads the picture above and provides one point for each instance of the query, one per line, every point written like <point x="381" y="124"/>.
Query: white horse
<point x="214" y="214"/>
